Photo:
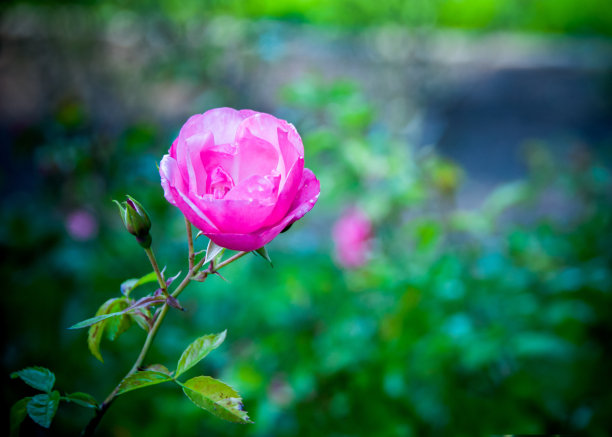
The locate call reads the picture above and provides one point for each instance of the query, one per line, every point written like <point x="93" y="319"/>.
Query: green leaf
<point x="38" y="377"/>
<point x="93" y="320"/>
<point x="18" y="413"/>
<point x="159" y="368"/>
<point x="82" y="399"/>
<point x="94" y="337"/>
<point x="142" y="379"/>
<point x="197" y="350"/>
<point x="216" y="397"/>
<point x="130" y="284"/>
<point x="212" y="251"/>
<point x="263" y="252"/>
<point x="42" y="408"/>
<point x="96" y="331"/>
<point x="149" y="277"/>
<point x="141" y="317"/>
<point x="127" y="286"/>
<point x="116" y="326"/>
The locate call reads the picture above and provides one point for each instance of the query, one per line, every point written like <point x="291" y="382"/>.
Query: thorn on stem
<point x="219" y="275"/>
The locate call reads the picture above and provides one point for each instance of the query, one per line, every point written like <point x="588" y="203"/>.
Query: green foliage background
<point x="465" y="322"/>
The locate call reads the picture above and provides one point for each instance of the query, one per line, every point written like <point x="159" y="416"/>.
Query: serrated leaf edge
<point x="123" y="389"/>
<point x="53" y="399"/>
<point x="49" y="374"/>
<point x="242" y="420"/>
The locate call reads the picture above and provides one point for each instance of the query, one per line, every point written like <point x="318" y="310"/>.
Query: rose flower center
<point x="219" y="183"/>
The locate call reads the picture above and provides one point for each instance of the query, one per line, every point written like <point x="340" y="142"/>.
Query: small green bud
<point x="136" y="220"/>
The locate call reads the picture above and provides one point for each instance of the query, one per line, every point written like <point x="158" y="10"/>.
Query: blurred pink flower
<point x="352" y="235"/>
<point x="238" y="176"/>
<point x="81" y="225"/>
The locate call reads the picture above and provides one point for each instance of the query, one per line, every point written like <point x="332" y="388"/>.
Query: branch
<point x="194" y="270"/>
<point x="160" y="276"/>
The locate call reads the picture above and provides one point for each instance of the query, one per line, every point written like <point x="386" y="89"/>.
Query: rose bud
<point x="238" y="176"/>
<point x="136" y="220"/>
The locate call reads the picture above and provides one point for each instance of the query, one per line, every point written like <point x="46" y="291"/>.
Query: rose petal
<point x="245" y="208"/>
<point x="188" y="151"/>
<point x="219" y="183"/>
<point x="306" y="198"/>
<point x="246" y="113"/>
<point x="290" y="144"/>
<point x="255" y="155"/>
<point x="191" y="157"/>
<point x="289" y="151"/>
<point x="174" y="187"/>
<point x="259" y="188"/>
<point x="266" y="127"/>
<point x="170" y="176"/>
<point x="194" y="213"/>
<point x="212" y="135"/>
<point x="287" y="194"/>
<point x="172" y="151"/>
<point x="221" y="122"/>
<point x="224" y="156"/>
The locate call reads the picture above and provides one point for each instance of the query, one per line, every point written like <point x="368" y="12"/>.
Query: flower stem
<point x="190" y="244"/>
<point x="158" y="273"/>
<point x="95" y="421"/>
<point x="230" y="260"/>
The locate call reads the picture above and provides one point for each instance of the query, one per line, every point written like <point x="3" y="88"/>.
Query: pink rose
<point x="352" y="235"/>
<point x="238" y="176"/>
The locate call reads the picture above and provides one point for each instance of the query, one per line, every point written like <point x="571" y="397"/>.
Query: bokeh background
<point x="475" y="136"/>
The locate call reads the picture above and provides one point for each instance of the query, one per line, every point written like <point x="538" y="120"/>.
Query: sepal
<point x="263" y="252"/>
<point x="212" y="251"/>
